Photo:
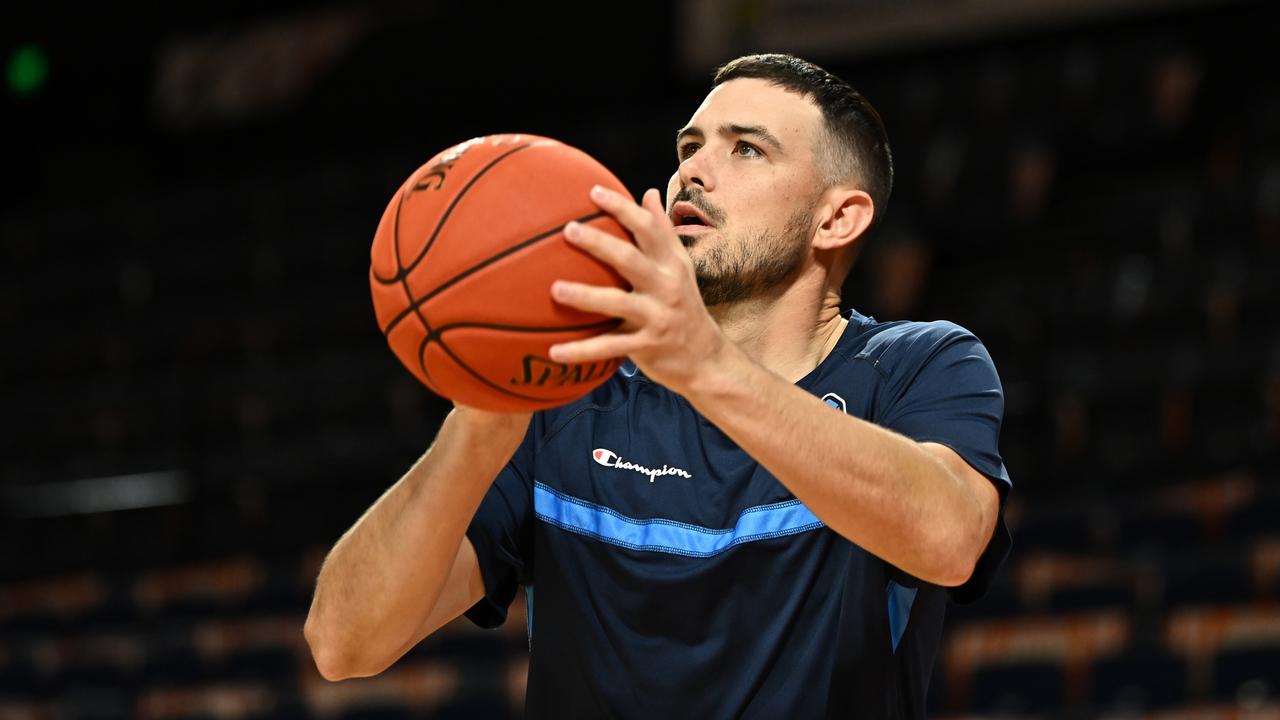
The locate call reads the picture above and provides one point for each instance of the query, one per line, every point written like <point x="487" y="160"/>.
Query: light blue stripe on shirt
<point x="660" y="535"/>
<point x="901" y="599"/>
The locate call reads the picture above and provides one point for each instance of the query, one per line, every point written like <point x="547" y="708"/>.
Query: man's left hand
<point x="666" y="330"/>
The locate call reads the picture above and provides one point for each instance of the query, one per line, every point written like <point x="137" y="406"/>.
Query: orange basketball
<point x="462" y="265"/>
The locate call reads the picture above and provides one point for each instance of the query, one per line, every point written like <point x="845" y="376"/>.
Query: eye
<point x="686" y="151"/>
<point x="746" y="149"/>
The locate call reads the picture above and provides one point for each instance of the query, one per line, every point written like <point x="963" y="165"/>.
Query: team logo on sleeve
<point x="836" y="402"/>
<point x="611" y="459"/>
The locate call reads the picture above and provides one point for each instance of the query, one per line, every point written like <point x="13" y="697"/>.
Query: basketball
<point x="462" y="264"/>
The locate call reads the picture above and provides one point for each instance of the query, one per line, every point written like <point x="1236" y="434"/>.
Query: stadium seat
<point x="1118" y="593"/>
<point x="97" y="702"/>
<point x="1170" y="531"/>
<point x="1219" y="577"/>
<point x="1139" y="681"/>
<point x="96" y="675"/>
<point x="20" y="682"/>
<point x="177" y="667"/>
<point x="118" y="613"/>
<point x="277" y="666"/>
<point x="471" y="704"/>
<point x="1256" y="517"/>
<point x="1070" y="530"/>
<point x="1018" y="688"/>
<point x="288" y="706"/>
<point x="1248" y="673"/>
<point x="280" y="593"/>
<point x="379" y="711"/>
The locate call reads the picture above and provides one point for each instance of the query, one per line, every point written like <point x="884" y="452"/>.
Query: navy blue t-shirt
<point x="670" y="575"/>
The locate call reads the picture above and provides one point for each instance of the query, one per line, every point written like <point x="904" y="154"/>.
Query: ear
<point x="845" y="214"/>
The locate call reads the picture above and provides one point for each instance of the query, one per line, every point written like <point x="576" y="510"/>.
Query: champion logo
<point x="611" y="459"/>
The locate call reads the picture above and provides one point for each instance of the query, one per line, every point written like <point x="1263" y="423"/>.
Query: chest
<point x="654" y="457"/>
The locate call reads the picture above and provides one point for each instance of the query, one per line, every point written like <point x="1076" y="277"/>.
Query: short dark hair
<point x="858" y="144"/>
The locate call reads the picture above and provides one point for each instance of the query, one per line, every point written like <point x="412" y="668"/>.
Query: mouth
<point x="688" y="218"/>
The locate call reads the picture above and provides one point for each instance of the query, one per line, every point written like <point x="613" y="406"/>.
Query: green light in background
<point x="27" y="70"/>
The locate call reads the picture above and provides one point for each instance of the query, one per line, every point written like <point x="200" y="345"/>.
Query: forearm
<point x="883" y="491"/>
<point x="384" y="575"/>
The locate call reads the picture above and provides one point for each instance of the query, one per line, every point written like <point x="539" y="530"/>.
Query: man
<point x="763" y="513"/>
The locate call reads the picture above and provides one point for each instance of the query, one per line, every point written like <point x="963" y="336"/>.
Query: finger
<point x="620" y="254"/>
<point x="647" y="230"/>
<point x="600" y="347"/>
<point x="652" y="201"/>
<point x="609" y="301"/>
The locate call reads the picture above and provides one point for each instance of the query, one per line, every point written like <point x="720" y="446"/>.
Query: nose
<point x="697" y="170"/>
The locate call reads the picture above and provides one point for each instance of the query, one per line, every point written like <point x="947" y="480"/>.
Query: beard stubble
<point x="731" y="272"/>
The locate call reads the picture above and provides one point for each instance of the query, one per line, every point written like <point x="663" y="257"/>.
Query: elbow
<point x="959" y="543"/>
<point x="333" y="660"/>
<point x="956" y="573"/>
<point x="956" y="555"/>
<point x="331" y="664"/>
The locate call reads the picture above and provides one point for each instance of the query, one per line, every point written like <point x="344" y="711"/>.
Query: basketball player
<point x="764" y="512"/>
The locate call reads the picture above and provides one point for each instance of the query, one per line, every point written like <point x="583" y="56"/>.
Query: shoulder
<point x="903" y="345"/>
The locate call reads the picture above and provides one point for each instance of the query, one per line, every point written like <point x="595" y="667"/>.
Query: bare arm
<point x="919" y="506"/>
<point x="405" y="568"/>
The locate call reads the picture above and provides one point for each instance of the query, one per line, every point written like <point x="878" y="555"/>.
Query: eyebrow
<point x="731" y="129"/>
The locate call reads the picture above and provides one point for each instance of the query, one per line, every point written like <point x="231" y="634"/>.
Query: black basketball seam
<point x="415" y="304"/>
<point x="422" y="353"/>
<point x="457" y="360"/>
<point x="402" y="271"/>
<point x="404" y="284"/>
<point x="395" y="236"/>
<point x="437" y="336"/>
<point x="601" y="325"/>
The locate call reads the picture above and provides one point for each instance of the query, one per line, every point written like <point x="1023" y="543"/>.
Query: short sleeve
<point x="943" y="388"/>
<point x="502" y="534"/>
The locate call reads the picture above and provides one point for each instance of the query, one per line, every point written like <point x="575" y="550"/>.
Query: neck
<point x="788" y="331"/>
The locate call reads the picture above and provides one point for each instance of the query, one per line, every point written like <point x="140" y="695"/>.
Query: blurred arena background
<point x="196" y="400"/>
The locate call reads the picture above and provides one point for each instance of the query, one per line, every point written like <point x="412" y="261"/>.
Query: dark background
<point x="196" y="400"/>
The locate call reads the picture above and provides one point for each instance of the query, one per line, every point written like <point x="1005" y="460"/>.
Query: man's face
<point x="743" y="195"/>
